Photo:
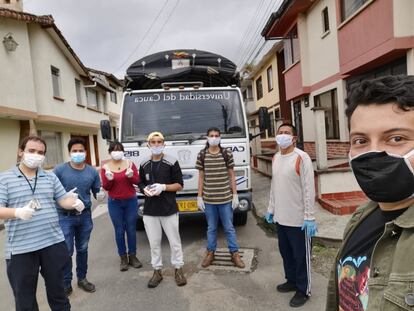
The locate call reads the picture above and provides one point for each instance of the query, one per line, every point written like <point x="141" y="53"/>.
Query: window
<point x="113" y="97"/>
<point x="78" y="91"/>
<point x="269" y="79"/>
<point x="55" y="81"/>
<point x="54" y="148"/>
<point x="348" y="7"/>
<point x="325" y="20"/>
<point x="271" y="132"/>
<point x="291" y="47"/>
<point x="277" y="113"/>
<point x="259" y="88"/>
<point x="329" y="101"/>
<point x="92" y="99"/>
<point x="245" y="95"/>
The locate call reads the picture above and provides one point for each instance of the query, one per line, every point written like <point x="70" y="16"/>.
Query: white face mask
<point x="117" y="155"/>
<point x="284" y="140"/>
<point x="157" y="150"/>
<point x="33" y="160"/>
<point x="213" y="141"/>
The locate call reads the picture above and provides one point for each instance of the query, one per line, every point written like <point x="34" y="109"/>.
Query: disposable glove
<point x="100" y="196"/>
<point x="73" y="194"/>
<point x="129" y="172"/>
<point x="311" y="227"/>
<point x="25" y="212"/>
<point x="147" y="191"/>
<point x="235" y="202"/>
<point x="156" y="189"/>
<point x="79" y="206"/>
<point x="269" y="218"/>
<point x="200" y="204"/>
<point x="109" y="175"/>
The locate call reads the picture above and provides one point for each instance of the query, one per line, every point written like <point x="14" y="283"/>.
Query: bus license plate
<point x="187" y="206"/>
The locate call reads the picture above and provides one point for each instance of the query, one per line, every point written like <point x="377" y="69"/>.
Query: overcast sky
<point x="110" y="35"/>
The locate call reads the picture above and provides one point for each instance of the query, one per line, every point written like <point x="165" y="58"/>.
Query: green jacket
<point x="391" y="280"/>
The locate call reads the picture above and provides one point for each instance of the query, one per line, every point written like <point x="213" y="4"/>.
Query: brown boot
<point x="124" y="263"/>
<point x="134" y="261"/>
<point x="208" y="259"/>
<point x="238" y="262"/>
<point x="180" y="279"/>
<point x="156" y="279"/>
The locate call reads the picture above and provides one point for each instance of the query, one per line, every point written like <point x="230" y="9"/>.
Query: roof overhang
<point x="280" y="21"/>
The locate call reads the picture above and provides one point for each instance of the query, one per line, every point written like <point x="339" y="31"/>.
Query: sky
<point x="111" y="35"/>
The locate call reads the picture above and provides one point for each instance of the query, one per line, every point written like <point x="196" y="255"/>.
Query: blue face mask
<point x="78" y="157"/>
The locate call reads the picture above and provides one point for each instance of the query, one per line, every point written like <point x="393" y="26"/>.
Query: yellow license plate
<point x="187" y="206"/>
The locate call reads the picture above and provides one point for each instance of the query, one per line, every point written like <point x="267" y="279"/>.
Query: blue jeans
<point x="225" y="212"/>
<point x="124" y="215"/>
<point x="77" y="230"/>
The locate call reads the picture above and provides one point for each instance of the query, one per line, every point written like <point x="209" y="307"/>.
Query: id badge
<point x="35" y="204"/>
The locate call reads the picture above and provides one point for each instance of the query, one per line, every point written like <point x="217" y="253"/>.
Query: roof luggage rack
<point x="181" y="85"/>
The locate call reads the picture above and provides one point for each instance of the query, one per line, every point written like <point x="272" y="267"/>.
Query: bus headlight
<point x="243" y="205"/>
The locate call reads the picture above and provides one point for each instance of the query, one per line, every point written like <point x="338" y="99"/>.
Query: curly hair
<point x="397" y="89"/>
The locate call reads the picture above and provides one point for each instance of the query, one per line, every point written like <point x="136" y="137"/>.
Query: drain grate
<point x="222" y="260"/>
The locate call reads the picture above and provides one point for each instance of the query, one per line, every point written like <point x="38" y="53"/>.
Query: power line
<point x="162" y="27"/>
<point x="145" y="35"/>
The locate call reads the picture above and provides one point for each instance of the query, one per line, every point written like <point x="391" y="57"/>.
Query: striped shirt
<point x="43" y="229"/>
<point x="216" y="186"/>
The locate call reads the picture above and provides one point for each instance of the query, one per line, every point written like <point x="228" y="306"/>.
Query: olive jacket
<point x="391" y="280"/>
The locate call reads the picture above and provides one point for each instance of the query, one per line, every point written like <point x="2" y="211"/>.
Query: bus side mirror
<point x="264" y="119"/>
<point x="106" y="129"/>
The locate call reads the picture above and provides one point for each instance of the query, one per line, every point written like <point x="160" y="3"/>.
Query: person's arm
<point x="307" y="179"/>
<point x="7" y="213"/>
<point x="232" y="177"/>
<point x="96" y="186"/>
<point x="200" y="183"/>
<point x="135" y="177"/>
<point x="142" y="183"/>
<point x="271" y="206"/>
<point x="177" y="179"/>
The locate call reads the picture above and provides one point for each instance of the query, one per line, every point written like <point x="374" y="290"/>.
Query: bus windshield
<point x="182" y="114"/>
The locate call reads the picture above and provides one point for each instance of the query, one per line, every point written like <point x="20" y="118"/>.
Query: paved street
<point x="206" y="290"/>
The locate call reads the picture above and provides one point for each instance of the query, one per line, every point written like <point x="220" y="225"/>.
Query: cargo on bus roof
<point x="152" y="70"/>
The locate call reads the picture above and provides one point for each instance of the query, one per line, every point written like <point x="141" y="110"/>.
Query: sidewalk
<point x="330" y="226"/>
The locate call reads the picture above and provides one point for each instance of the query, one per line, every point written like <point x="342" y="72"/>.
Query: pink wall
<point x="293" y="82"/>
<point x="369" y="29"/>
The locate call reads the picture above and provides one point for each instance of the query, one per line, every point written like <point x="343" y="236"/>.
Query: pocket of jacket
<point x="399" y="296"/>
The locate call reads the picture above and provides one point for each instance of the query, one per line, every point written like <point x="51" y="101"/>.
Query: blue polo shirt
<point x="85" y="180"/>
<point x="43" y="229"/>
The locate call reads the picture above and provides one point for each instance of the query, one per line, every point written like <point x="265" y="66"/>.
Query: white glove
<point x="109" y="175"/>
<point x="235" y="202"/>
<point x="200" y="204"/>
<point x="100" y="196"/>
<point x="73" y="194"/>
<point x="129" y="172"/>
<point x="25" y="212"/>
<point x="147" y="191"/>
<point x="156" y="189"/>
<point x="79" y="206"/>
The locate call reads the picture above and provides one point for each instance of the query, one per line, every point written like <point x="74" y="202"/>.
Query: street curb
<point x="325" y="241"/>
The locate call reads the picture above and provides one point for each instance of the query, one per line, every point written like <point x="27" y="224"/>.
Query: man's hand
<point x="156" y="189"/>
<point x="129" y="172"/>
<point x="25" y="212"/>
<point x="200" y="204"/>
<point x="311" y="228"/>
<point x="79" y="206"/>
<point x="235" y="202"/>
<point x="100" y="196"/>
<point x="147" y="191"/>
<point x="109" y="175"/>
<point x="269" y="218"/>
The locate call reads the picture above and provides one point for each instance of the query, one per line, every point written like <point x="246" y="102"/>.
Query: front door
<point x="297" y="116"/>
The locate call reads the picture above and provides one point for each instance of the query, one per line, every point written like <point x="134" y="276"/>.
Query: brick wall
<point x="335" y="149"/>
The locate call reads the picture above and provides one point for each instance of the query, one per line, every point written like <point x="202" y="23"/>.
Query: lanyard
<point x="30" y="185"/>
<point x="155" y="171"/>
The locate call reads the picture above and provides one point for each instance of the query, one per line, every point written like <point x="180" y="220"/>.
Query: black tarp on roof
<point x="181" y="66"/>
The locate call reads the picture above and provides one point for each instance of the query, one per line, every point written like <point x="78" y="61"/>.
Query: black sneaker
<point x="86" y="286"/>
<point x="298" y="300"/>
<point x="286" y="287"/>
<point x="68" y="291"/>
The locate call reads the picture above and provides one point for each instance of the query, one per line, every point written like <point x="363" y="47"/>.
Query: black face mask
<point x="384" y="178"/>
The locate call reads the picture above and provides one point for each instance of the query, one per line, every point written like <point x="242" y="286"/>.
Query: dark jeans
<point x="77" y="230"/>
<point x="23" y="273"/>
<point x="295" y="249"/>
<point x="124" y="215"/>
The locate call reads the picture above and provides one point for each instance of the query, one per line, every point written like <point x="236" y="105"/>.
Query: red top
<point x="121" y="187"/>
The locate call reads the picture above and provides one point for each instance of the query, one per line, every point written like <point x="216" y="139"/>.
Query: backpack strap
<point x="202" y="156"/>
<point x="225" y="156"/>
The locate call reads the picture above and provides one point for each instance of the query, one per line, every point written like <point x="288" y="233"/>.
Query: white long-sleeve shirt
<point x="292" y="192"/>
